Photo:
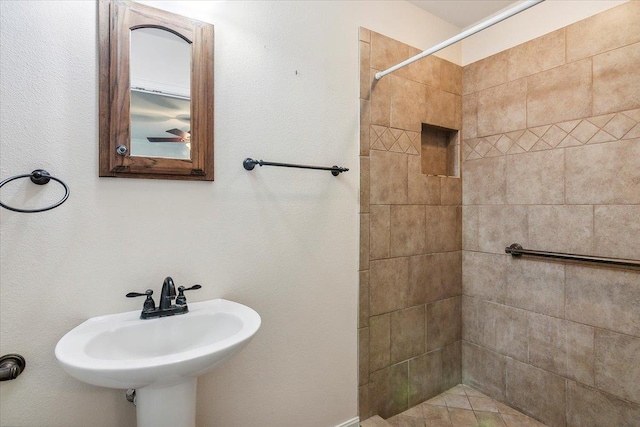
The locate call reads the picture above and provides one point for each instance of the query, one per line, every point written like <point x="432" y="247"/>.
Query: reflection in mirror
<point x="160" y="106"/>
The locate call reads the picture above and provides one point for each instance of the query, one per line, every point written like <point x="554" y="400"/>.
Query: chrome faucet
<point x="166" y="308"/>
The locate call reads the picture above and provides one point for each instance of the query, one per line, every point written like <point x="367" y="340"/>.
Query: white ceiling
<point x="462" y="13"/>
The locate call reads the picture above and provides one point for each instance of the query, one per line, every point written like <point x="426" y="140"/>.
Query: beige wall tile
<point x="444" y="323"/>
<point x="407" y="230"/>
<point x="386" y="52"/>
<point x="617" y="231"/>
<point x="547" y="404"/>
<point x="442" y="109"/>
<point x="617" y="364"/>
<point x="458" y="113"/>
<point x="604" y="297"/>
<point x="423" y="189"/>
<point x="451" y="263"/>
<point x="363" y="402"/>
<point x="536" y="178"/>
<point x="365" y="113"/>
<point x="364" y="241"/>
<point x="484" y="370"/>
<point x="388" y="175"/>
<point x="500" y="226"/>
<point x="443" y="228"/>
<point x="388" y="390"/>
<point x="561" y="228"/>
<point x="478" y="323"/>
<point x="470" y="228"/>
<point x="580" y="352"/>
<point x="363" y="304"/>
<point x="605" y="31"/>
<point x="497" y="327"/>
<point x="364" y="35"/>
<point x="380" y="231"/>
<point x="365" y="60"/>
<point x="424" y="273"/>
<point x="564" y="348"/>
<point x="388" y="284"/>
<point x="364" y="184"/>
<point x="450" y="77"/>
<point x="606" y="173"/>
<point x="363" y="356"/>
<point x="621" y="126"/>
<point x="434" y="277"/>
<point x="380" y="100"/>
<point x="540" y="54"/>
<point x="559" y="94"/>
<point x="407" y="333"/>
<point x="536" y="285"/>
<point x="587" y="407"/>
<point x="408" y="103"/>
<point x="379" y="342"/>
<point x="451" y="365"/>
<point x="451" y="191"/>
<point x="488" y="72"/>
<point x="485" y="181"/>
<point x="616" y="80"/>
<point x="484" y="275"/>
<point x="470" y="116"/>
<point x="425" y="377"/>
<point x="425" y="71"/>
<point x="502" y="108"/>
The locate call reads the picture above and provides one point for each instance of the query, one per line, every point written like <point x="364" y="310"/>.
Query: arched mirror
<point x="156" y="93"/>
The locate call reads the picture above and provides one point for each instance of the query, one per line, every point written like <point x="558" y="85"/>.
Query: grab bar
<point x="516" y="250"/>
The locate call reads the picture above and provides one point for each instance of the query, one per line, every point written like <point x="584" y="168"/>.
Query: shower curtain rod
<point x="463" y="35"/>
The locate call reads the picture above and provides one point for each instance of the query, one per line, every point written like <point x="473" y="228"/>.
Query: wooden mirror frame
<point x="116" y="20"/>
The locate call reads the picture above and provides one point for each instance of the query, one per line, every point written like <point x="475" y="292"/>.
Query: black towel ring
<point x="39" y="177"/>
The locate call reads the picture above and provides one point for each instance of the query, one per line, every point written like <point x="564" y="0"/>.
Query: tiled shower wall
<point x="410" y="249"/>
<point x="551" y="145"/>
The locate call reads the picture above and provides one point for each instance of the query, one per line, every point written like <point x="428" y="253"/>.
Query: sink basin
<point x="161" y="358"/>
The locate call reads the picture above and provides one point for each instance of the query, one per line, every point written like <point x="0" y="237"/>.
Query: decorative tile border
<point x="593" y="130"/>
<point x="396" y="140"/>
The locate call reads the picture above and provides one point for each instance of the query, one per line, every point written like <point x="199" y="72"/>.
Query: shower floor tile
<point x="462" y="406"/>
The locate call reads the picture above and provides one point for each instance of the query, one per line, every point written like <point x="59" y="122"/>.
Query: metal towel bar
<point x="516" y="250"/>
<point x="249" y="164"/>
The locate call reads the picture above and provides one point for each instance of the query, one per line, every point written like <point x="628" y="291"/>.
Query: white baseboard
<point x="353" y="422"/>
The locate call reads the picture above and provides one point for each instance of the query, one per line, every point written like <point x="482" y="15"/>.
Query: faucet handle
<point x="149" y="303"/>
<point x="181" y="299"/>
<point x="148" y="292"/>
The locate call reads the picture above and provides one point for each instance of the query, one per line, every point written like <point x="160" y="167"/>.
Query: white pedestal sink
<point x="160" y="358"/>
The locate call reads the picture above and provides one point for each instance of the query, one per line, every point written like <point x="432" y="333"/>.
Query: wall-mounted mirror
<point x="156" y="93"/>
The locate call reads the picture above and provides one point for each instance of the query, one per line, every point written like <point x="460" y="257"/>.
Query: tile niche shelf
<point x="440" y="151"/>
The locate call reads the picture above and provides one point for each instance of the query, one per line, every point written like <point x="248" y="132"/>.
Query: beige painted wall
<point x="552" y="161"/>
<point x="284" y="242"/>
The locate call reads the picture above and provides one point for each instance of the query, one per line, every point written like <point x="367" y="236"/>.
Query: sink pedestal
<point x="170" y="406"/>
